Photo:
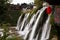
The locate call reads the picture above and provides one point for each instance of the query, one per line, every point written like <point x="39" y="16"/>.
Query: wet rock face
<point x="53" y="2"/>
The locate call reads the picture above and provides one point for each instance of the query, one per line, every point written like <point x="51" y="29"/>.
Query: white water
<point x="25" y="18"/>
<point x="26" y="30"/>
<point x="22" y="24"/>
<point x="35" y="25"/>
<point x="31" y="21"/>
<point x="29" y="28"/>
<point x="36" y="37"/>
<point x="46" y="30"/>
<point x="1" y="32"/>
<point x="19" y="22"/>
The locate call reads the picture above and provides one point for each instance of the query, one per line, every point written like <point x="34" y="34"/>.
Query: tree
<point x="3" y="10"/>
<point x="38" y="3"/>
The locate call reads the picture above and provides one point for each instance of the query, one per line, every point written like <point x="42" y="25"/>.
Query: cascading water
<point x="24" y="20"/>
<point x="35" y="25"/>
<point x="46" y="29"/>
<point x="26" y="30"/>
<point x="19" y="22"/>
<point x="30" y="27"/>
<point x="23" y="24"/>
<point x="33" y="19"/>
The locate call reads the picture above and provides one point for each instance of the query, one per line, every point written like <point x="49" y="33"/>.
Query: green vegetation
<point x="3" y="10"/>
<point x="7" y="19"/>
<point x="6" y="34"/>
<point x="7" y="16"/>
<point x="13" y="17"/>
<point x="38" y="4"/>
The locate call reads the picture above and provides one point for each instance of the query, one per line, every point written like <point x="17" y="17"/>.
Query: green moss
<point x="53" y="29"/>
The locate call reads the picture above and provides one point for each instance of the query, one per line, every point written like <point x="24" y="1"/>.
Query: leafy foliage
<point x="13" y="17"/>
<point x="6" y="34"/>
<point x="7" y="16"/>
<point x="38" y="4"/>
<point x="3" y="10"/>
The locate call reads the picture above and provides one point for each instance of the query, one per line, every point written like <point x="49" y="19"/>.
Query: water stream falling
<point x="30" y="24"/>
<point x="24" y="21"/>
<point x="29" y="30"/>
<point x="36" y="23"/>
<point x="46" y="29"/>
<point x="18" y="22"/>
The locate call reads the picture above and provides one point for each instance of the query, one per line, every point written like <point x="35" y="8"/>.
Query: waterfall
<point x="28" y="26"/>
<point x="23" y="24"/>
<point x="28" y="29"/>
<point x="46" y="29"/>
<point x="1" y="32"/>
<point x="31" y="20"/>
<point x="19" y="22"/>
<point x="35" y="25"/>
<point x="24" y="21"/>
